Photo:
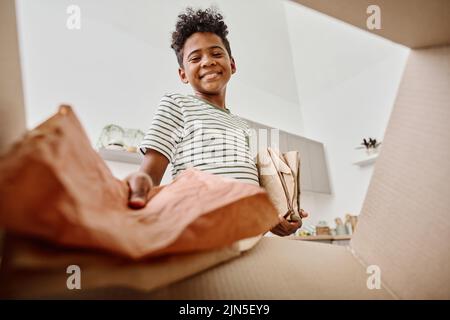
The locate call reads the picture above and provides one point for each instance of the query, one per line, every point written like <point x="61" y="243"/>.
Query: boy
<point x="198" y="130"/>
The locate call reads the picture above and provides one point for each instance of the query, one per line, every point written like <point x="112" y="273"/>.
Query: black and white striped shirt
<point x="191" y="132"/>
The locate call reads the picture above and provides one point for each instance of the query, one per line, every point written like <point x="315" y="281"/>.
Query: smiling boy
<point x="198" y="130"/>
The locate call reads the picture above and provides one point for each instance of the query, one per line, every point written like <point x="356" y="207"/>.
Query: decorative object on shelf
<point x="133" y="137"/>
<point x="303" y="233"/>
<point x="370" y="145"/>
<point x="306" y="230"/>
<point x="322" y="228"/>
<point x="340" y="227"/>
<point x="346" y="227"/>
<point x="114" y="137"/>
<point x="350" y="223"/>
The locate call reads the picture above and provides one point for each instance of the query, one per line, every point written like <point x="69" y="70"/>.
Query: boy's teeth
<point x="211" y="75"/>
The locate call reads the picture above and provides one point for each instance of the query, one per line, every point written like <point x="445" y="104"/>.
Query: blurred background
<point x="297" y="70"/>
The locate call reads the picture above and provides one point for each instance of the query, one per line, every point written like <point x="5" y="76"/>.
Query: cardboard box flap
<point x="36" y="269"/>
<point x="12" y="110"/>
<point x="413" y="23"/>
<point x="275" y="268"/>
<point x="280" y="268"/>
<point x="404" y="226"/>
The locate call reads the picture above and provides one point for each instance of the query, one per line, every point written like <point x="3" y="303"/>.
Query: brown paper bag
<point x="279" y="176"/>
<point x="55" y="186"/>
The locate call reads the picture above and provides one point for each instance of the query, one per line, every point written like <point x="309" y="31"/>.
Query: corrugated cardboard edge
<point x="404" y="227"/>
<point x="365" y="265"/>
<point x="34" y="269"/>
<point x="278" y="268"/>
<point x="413" y="23"/>
<point x="12" y="110"/>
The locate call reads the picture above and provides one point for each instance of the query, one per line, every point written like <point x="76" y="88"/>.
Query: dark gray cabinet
<point x="313" y="166"/>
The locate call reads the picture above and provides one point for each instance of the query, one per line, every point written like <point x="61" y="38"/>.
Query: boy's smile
<point x="207" y="66"/>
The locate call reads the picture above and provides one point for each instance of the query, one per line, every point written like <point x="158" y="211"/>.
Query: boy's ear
<point x="233" y="66"/>
<point x="182" y="75"/>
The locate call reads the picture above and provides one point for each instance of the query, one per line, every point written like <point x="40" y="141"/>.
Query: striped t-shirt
<point x="191" y="132"/>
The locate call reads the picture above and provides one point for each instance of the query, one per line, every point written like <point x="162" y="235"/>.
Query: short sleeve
<point x="166" y="129"/>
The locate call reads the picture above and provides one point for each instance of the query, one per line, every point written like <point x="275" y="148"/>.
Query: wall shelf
<point x="320" y="237"/>
<point x="368" y="160"/>
<point x="343" y="240"/>
<point x="121" y="156"/>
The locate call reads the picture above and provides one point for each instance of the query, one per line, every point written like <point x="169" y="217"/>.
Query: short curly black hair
<point x="192" y="21"/>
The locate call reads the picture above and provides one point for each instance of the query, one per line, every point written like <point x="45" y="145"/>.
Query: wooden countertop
<point x="322" y="237"/>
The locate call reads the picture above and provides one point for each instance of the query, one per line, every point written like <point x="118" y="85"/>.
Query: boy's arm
<point x="148" y="176"/>
<point x="154" y="164"/>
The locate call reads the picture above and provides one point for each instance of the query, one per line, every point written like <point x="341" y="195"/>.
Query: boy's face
<point x="206" y="63"/>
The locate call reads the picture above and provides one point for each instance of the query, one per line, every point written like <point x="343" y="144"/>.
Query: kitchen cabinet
<point x="314" y="175"/>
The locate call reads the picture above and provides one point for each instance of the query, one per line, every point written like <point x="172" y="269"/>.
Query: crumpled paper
<point x="55" y="186"/>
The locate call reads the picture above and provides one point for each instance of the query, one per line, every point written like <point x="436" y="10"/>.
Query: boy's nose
<point x="206" y="62"/>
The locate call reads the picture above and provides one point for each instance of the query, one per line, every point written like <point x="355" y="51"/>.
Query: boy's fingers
<point x="303" y="213"/>
<point x="140" y="185"/>
<point x="276" y="230"/>
<point x="284" y="223"/>
<point x="137" y="203"/>
<point x="293" y="226"/>
<point x="285" y="227"/>
<point x="279" y="231"/>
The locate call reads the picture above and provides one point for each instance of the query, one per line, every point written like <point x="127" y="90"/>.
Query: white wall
<point x="117" y="67"/>
<point x="347" y="82"/>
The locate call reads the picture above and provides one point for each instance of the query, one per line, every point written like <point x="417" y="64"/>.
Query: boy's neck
<point x="216" y="99"/>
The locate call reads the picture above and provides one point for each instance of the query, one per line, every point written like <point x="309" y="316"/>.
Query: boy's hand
<point x="285" y="228"/>
<point x="140" y="185"/>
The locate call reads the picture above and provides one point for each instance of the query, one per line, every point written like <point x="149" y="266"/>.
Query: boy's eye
<point x="217" y="54"/>
<point x="194" y="59"/>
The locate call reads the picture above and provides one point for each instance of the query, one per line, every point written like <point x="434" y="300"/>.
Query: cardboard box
<point x="400" y="249"/>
